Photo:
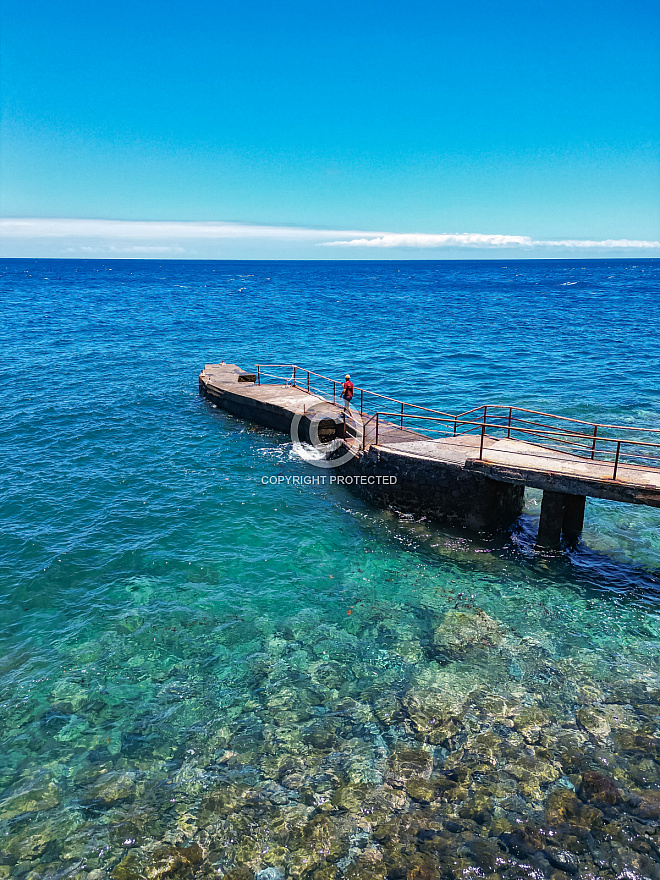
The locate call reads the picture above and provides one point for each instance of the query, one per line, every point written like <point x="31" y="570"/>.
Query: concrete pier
<point x="475" y="480"/>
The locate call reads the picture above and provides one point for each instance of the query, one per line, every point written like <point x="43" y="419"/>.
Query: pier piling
<point x="562" y="516"/>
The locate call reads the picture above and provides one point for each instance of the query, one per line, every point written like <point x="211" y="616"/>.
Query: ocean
<point x="202" y="675"/>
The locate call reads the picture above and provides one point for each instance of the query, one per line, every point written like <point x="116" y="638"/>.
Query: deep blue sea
<point x="202" y="675"/>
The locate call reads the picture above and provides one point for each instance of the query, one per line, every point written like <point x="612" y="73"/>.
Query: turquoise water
<point x="205" y="676"/>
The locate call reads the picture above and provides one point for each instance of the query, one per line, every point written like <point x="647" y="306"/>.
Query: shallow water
<point x="205" y="676"/>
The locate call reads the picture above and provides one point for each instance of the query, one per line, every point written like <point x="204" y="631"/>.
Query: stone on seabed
<point x="110" y="787"/>
<point x="434" y="715"/>
<point x="594" y="722"/>
<point x="460" y="634"/>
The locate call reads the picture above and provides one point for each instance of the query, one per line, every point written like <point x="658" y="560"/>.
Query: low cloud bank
<point x="477" y="240"/>
<point x="146" y="238"/>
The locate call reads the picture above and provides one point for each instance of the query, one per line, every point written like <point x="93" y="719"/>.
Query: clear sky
<point x="331" y="122"/>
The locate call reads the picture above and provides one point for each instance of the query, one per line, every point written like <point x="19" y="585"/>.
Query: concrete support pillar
<point x="573" y="517"/>
<point x="562" y="515"/>
<point x="552" y="518"/>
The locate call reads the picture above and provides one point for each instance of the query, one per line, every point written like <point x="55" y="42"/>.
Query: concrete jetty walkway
<point x="475" y="474"/>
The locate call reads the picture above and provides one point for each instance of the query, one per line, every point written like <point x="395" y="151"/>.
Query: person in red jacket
<point x="347" y="391"/>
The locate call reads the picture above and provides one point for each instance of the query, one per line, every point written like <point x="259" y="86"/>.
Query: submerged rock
<point x="322" y="734"/>
<point x="174" y="861"/>
<point x="368" y="866"/>
<point x="563" y="808"/>
<point x="523" y="842"/>
<point x="562" y="859"/>
<point x="324" y="872"/>
<point x="275" y="857"/>
<point x="69" y="697"/>
<point x="388" y="709"/>
<point x="594" y="721"/>
<point x="35" y="793"/>
<point x="648" y="805"/>
<point x="407" y="762"/>
<point x="598" y="789"/>
<point x="269" y="874"/>
<point x="434" y="715"/>
<point x="530" y="721"/>
<point x="484" y="853"/>
<point x="632" y="742"/>
<point x="478" y="808"/>
<point x="328" y="674"/>
<point x="239" y="873"/>
<point x="421" y="790"/>
<point x="28" y="849"/>
<point x="461" y="634"/>
<point x="350" y="798"/>
<point x="111" y="787"/>
<point x="303" y="861"/>
<point x="129" y="868"/>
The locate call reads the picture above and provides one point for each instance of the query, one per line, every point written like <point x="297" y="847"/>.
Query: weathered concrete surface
<point x="272" y="406"/>
<point x="447" y="479"/>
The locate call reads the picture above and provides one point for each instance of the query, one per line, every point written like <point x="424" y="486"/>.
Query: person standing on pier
<point x="347" y="391"/>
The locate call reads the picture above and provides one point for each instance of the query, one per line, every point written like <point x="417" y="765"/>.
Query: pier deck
<point x="475" y="449"/>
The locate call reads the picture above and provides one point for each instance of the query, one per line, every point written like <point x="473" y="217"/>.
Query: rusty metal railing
<point x="631" y="447"/>
<point x="305" y="383"/>
<point x="619" y="452"/>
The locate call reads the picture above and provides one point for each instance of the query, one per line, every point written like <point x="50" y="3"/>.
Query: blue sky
<point x="326" y="130"/>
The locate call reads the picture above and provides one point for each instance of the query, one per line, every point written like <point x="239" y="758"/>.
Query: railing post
<point x="333" y="391"/>
<point x="361" y="396"/>
<point x="294" y="375"/>
<point x="508" y="429"/>
<point x="455" y="426"/>
<point x="481" y="445"/>
<point x="402" y="416"/>
<point x="308" y="381"/>
<point x="377" y="415"/>
<point x="616" y="459"/>
<point x="593" y="445"/>
<point x="258" y="376"/>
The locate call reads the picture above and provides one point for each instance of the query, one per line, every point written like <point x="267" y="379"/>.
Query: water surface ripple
<point x="204" y="676"/>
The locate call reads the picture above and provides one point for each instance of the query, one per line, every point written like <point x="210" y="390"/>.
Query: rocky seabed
<point x="410" y="745"/>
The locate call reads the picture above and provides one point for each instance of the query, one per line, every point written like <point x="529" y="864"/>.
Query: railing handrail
<point x="479" y="423"/>
<point x="374" y="393"/>
<point x="356" y="388"/>
<point x="487" y="406"/>
<point x="554" y="434"/>
<point x="616" y="452"/>
<point x="537" y="412"/>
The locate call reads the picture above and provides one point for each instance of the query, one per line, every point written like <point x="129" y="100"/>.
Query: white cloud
<point x="159" y="229"/>
<point x="606" y="243"/>
<point x="429" y="240"/>
<point x="129" y="249"/>
<point x="154" y="238"/>
<point x="478" y="240"/>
